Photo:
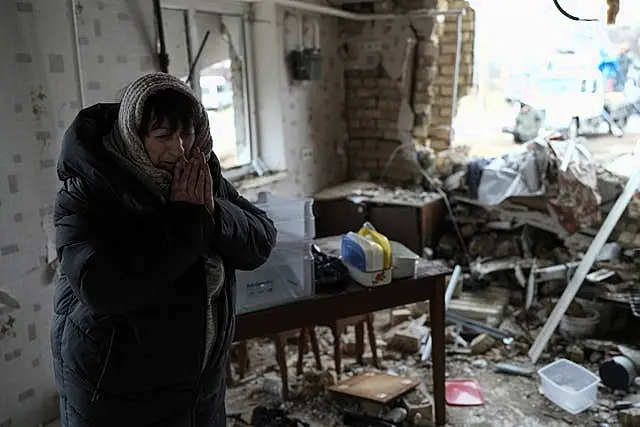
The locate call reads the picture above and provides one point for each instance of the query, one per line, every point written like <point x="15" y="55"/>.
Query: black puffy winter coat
<point x="128" y="331"/>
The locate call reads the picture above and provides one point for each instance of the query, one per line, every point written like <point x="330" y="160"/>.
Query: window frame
<point x="242" y="11"/>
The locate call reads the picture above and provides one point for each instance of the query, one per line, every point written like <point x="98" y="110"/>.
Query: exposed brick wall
<point x="384" y="112"/>
<point x="446" y="35"/>
<point x="373" y="110"/>
<point x="379" y="107"/>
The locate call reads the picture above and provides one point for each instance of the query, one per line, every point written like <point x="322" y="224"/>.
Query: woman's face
<point x="165" y="146"/>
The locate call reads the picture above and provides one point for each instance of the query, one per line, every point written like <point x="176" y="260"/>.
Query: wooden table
<point x="355" y="300"/>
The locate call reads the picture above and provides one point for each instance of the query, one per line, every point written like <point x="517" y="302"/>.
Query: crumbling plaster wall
<point x="399" y="86"/>
<point x="41" y="97"/>
<point x="313" y="111"/>
<point x="301" y="125"/>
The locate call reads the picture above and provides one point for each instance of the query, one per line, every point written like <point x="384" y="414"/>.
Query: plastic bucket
<point x="580" y="327"/>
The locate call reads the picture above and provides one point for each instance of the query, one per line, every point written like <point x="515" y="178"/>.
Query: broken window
<point x="208" y="50"/>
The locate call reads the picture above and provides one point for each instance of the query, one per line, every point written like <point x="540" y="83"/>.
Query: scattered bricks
<point x="399" y="315"/>
<point x="405" y="341"/>
<point x="419" y="308"/>
<point x="575" y="353"/>
<point x="625" y="239"/>
<point x="315" y="383"/>
<point x="482" y="343"/>
<point x="271" y="383"/>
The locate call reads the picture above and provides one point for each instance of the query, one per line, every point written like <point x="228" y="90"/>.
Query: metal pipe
<point x="192" y="67"/>
<point x="451" y="287"/>
<point x="249" y="94"/>
<point x="163" y="57"/>
<point x="338" y="13"/>
<point x="77" y="54"/>
<point x="456" y="76"/>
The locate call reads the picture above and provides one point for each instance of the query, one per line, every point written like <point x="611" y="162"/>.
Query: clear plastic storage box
<point x="570" y="386"/>
<point x="287" y="275"/>
<point x="292" y="217"/>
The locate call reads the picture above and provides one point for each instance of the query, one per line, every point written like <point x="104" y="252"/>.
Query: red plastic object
<point x="463" y="392"/>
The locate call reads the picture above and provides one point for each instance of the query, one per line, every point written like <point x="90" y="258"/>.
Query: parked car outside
<point x="216" y="92"/>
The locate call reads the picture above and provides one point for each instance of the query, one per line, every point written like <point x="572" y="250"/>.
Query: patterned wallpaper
<point x="314" y="117"/>
<point x="42" y="91"/>
<point x="40" y="97"/>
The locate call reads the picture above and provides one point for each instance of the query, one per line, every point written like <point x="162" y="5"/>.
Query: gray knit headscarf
<point x="124" y="141"/>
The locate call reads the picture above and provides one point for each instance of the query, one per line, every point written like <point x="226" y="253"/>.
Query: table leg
<point x="359" y="342"/>
<point x="372" y="339"/>
<point x="437" y="317"/>
<point x="281" y="358"/>
<point x="337" y="350"/>
<point x="243" y="359"/>
<point x="315" y="347"/>
<point x="302" y="349"/>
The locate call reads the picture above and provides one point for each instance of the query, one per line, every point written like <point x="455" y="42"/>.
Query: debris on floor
<point x="520" y="225"/>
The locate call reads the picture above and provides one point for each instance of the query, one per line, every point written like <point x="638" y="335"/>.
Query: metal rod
<point x="338" y="13"/>
<point x="77" y="53"/>
<point x="192" y="69"/>
<point x="163" y="57"/>
<point x="456" y="76"/>
<point x="453" y="282"/>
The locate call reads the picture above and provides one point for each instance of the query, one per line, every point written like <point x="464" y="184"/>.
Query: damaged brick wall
<point x="445" y="34"/>
<point x="373" y="108"/>
<point x="387" y="91"/>
<point x="399" y="86"/>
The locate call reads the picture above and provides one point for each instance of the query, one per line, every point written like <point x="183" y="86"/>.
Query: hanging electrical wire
<point x="567" y="14"/>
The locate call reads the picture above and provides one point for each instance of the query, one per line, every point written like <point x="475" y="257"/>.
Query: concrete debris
<point x="518" y="258"/>
<point x="315" y="383"/>
<point x="420" y="414"/>
<point x="630" y="417"/>
<point x="482" y="343"/>
<point x="406" y="341"/>
<point x="400" y="315"/>
<point x="575" y="353"/>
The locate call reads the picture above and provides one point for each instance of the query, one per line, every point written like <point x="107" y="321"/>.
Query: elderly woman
<point x="149" y="235"/>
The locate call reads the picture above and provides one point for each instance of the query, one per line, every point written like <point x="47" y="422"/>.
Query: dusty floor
<point x="509" y="400"/>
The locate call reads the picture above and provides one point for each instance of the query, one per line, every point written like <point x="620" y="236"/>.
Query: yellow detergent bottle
<point x="369" y="232"/>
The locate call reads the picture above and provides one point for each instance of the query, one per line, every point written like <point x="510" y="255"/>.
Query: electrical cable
<point x="568" y="15"/>
<point x="437" y="189"/>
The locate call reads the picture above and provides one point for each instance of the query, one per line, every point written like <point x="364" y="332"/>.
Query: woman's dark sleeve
<point x="244" y="235"/>
<point x="124" y="273"/>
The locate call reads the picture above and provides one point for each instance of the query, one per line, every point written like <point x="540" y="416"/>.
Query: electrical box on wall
<point x="306" y="62"/>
